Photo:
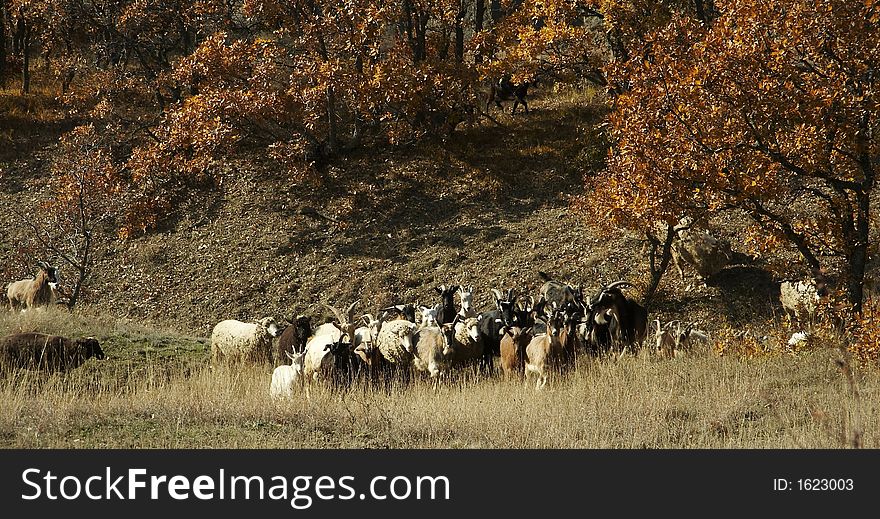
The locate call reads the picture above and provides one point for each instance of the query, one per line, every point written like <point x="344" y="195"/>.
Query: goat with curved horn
<point x="336" y="312"/>
<point x="350" y="310"/>
<point x="619" y="284"/>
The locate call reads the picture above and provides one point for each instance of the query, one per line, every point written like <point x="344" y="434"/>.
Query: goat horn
<point x="618" y="284"/>
<point x="336" y="312"/>
<point x="350" y="311"/>
<point x="510" y="296"/>
<point x="497" y="294"/>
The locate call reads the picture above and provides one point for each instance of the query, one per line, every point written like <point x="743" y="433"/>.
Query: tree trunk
<point x="495" y="10"/>
<point x="459" y="31"/>
<point x="415" y="24"/>
<point x="443" y="47"/>
<point x="26" y="60"/>
<point x="19" y="32"/>
<point x="657" y="271"/>
<point x="858" y="254"/>
<point x="421" y="28"/>
<point x="479" y="14"/>
<point x="332" y="140"/>
<point x="82" y="274"/>
<point x="2" y="43"/>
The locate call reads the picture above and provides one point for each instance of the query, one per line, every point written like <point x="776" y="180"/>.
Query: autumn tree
<point x="77" y="219"/>
<point x="326" y="75"/>
<point x="771" y="110"/>
<point x="3" y="64"/>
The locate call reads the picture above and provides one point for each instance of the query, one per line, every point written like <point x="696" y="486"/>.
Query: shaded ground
<point x="488" y="208"/>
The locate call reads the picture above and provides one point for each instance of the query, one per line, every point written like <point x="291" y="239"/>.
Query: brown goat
<point x="546" y="353"/>
<point x="514" y="341"/>
<point x="46" y="352"/>
<point x="30" y="293"/>
<point x="293" y="339"/>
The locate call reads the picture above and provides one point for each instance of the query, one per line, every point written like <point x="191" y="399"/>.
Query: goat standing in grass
<point x="294" y="338"/>
<point x="514" y="342"/>
<point x="616" y="321"/>
<point x="39" y="351"/>
<point x="546" y="352"/>
<point x="287" y="377"/>
<point x="31" y="293"/>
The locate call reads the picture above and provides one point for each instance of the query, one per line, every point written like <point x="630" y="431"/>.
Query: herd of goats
<point x="532" y="337"/>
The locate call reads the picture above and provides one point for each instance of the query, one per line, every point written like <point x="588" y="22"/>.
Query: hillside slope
<point x="489" y="208"/>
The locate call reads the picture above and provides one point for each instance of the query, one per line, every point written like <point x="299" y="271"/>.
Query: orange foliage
<point x="768" y="109"/>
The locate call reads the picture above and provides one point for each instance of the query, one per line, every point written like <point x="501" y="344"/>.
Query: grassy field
<point x="156" y="390"/>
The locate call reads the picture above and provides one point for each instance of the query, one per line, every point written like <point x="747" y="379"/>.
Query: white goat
<point x="285" y="377"/>
<point x="800" y="299"/>
<point x="429" y="315"/>
<point x="466" y="294"/>
<point x="676" y="338"/>
<point x="798" y="339"/>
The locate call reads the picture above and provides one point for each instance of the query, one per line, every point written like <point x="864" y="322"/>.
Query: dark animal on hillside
<point x="555" y="292"/>
<point x="506" y="90"/>
<point x="407" y="312"/>
<point x="447" y="301"/>
<point x="347" y="365"/>
<point x="39" y="351"/>
<point x="30" y="293"/>
<point x="491" y="323"/>
<point x="616" y="320"/>
<point x="293" y="339"/>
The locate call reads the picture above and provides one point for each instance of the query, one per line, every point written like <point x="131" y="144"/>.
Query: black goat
<point x="447" y="300"/>
<point x="506" y="90"/>
<point x="616" y="320"/>
<point x="553" y="291"/>
<point x="504" y="315"/>
<point x="407" y="312"/>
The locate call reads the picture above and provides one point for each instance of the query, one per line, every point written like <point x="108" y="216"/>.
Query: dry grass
<point x="175" y="400"/>
<point x="155" y="389"/>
